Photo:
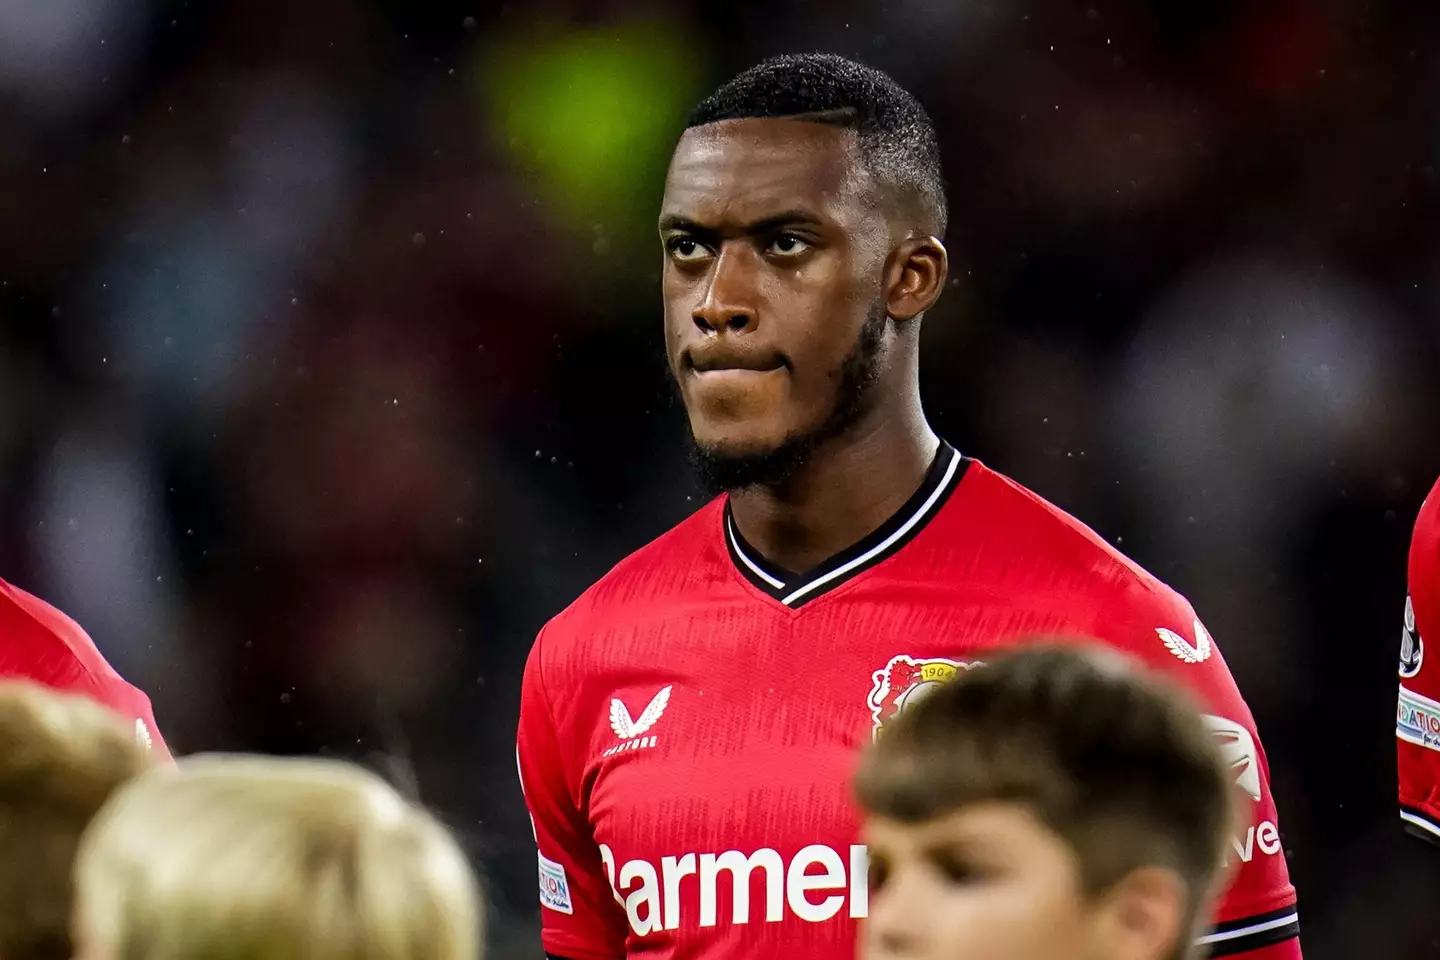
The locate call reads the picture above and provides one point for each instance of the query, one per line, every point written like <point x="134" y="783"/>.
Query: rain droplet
<point x="285" y="697"/>
<point x="125" y="140"/>
<point x="418" y="239"/>
<point x="468" y="23"/>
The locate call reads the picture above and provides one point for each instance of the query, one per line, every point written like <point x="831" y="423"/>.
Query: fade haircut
<point x="897" y="141"/>
<point x="1120" y="766"/>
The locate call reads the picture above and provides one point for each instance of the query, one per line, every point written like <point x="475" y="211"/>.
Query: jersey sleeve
<point x="1417" y="714"/>
<point x="1257" y="917"/>
<point x="580" y="918"/>
<point x="133" y="707"/>
<point x="41" y="644"/>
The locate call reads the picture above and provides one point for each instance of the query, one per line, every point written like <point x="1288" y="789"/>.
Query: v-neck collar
<point x="794" y="590"/>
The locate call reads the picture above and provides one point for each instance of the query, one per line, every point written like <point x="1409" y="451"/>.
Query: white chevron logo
<point x="626" y="728"/>
<point x="1237" y="746"/>
<point x="1198" y="652"/>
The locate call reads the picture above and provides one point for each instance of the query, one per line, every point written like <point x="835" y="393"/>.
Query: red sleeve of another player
<point x="41" y="644"/>
<point x="134" y="707"/>
<point x="1417" y="714"/>
<point x="1256" y="918"/>
<point x="579" y="916"/>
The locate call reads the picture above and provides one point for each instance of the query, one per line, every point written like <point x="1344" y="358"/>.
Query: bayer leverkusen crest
<point x="906" y="681"/>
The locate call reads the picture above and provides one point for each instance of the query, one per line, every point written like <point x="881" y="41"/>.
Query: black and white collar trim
<point x="793" y="589"/>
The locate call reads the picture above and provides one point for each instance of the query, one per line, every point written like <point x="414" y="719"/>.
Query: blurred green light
<point x="592" y="114"/>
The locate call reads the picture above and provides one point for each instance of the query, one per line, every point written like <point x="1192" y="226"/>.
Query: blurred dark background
<point x="330" y="331"/>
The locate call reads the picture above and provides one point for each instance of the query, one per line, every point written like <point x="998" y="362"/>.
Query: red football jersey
<point x="690" y="725"/>
<point x="39" y="643"/>
<point x="1417" y="718"/>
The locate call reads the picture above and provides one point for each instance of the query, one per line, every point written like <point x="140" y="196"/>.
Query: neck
<point x="846" y="490"/>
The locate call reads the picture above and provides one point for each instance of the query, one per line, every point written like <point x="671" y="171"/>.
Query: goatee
<point x="722" y="471"/>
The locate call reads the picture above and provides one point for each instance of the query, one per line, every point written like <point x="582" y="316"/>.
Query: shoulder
<point x="653" y="578"/>
<point x="1426" y="544"/>
<point x="1073" y="553"/>
<point x="39" y="642"/>
<point x="30" y="628"/>
<point x="1088" y="586"/>
<point x="1424" y="565"/>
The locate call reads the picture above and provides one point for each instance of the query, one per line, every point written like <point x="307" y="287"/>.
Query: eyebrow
<point x="676" y="223"/>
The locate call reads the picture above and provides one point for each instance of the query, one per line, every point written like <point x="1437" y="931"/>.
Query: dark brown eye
<point x="685" y="250"/>
<point x="958" y="870"/>
<point x="878" y="873"/>
<point x="788" y="245"/>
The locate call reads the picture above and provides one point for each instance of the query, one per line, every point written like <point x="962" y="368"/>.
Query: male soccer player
<point x="1056" y="805"/>
<point x="1417" y="718"/>
<point x="39" y="643"/>
<point x="689" y="725"/>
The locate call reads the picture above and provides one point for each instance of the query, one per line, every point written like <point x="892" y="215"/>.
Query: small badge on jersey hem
<point x="554" y="887"/>
<point x="1183" y="649"/>
<point x="1412" y="648"/>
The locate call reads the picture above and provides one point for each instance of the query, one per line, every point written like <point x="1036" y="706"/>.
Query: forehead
<point x="739" y="171"/>
<point x="984" y="824"/>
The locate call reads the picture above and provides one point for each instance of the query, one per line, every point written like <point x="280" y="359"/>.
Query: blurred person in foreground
<point x="61" y="757"/>
<point x="689" y="725"/>
<point x="1058" y="804"/>
<point x="265" y="858"/>
<point x="39" y="643"/>
<point x="268" y="858"/>
<point x="1417" y="716"/>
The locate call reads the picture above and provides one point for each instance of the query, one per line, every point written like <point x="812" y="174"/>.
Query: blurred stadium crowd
<point x="330" y="352"/>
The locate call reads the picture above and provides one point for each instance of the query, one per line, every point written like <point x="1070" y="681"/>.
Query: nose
<point x="728" y="305"/>
<point x="892" y="930"/>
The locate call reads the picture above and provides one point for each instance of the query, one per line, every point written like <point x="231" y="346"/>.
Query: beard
<point x="723" y="471"/>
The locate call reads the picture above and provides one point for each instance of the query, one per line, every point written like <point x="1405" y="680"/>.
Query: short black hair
<point x="897" y="140"/>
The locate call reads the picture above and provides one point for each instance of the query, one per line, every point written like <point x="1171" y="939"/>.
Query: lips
<point x="719" y="359"/>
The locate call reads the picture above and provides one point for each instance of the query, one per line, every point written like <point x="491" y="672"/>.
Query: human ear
<point x="1142" y="917"/>
<point x="914" y="277"/>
